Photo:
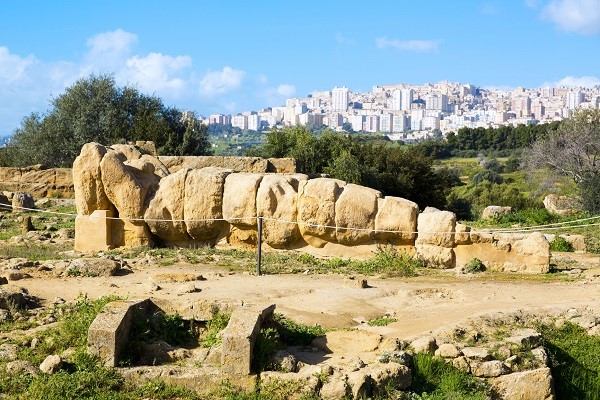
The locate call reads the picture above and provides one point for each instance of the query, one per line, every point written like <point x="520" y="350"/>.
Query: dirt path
<point x="420" y="304"/>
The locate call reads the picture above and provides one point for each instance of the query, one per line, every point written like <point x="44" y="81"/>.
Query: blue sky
<point x="231" y="56"/>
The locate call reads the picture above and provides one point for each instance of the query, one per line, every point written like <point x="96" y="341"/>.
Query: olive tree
<point x="573" y="150"/>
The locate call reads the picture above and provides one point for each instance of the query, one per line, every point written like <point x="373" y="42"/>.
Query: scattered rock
<point x="22" y="201"/>
<point x="426" y="344"/>
<point x="352" y="342"/>
<point x="51" y="364"/>
<point x="488" y="369"/>
<point x="21" y="366"/>
<point x="448" y="350"/>
<point x="525" y="338"/>
<point x="93" y="267"/>
<point x="535" y="384"/>
<point x="8" y="351"/>
<point x="356" y="282"/>
<point x="476" y="353"/>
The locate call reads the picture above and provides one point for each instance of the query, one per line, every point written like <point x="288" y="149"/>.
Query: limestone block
<point x="425" y="344"/>
<point x="436" y="256"/>
<point x="203" y="199"/>
<point x="276" y="201"/>
<point x="87" y="180"/>
<point x="348" y="342"/>
<point x="316" y="206"/>
<point x="281" y="165"/>
<point x="51" y="364"/>
<point x="239" y="199"/>
<point x="165" y="212"/>
<point x="239" y="337"/>
<point x="448" y="350"/>
<point x="488" y="369"/>
<point x="561" y="205"/>
<point x="388" y="375"/>
<point x="534" y="384"/>
<point x="494" y="211"/>
<point x="22" y="201"/>
<point x="122" y="187"/>
<point x="356" y="207"/>
<point x="436" y="227"/>
<point x="109" y="332"/>
<point x="126" y="152"/>
<point x="462" y="235"/>
<point x="537" y="250"/>
<point x="159" y="168"/>
<point x="93" y="232"/>
<point x="396" y="214"/>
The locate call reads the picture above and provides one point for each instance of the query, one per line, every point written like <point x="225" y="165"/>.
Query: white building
<point x="407" y="98"/>
<point x="339" y="99"/>
<point x="240" y="121"/>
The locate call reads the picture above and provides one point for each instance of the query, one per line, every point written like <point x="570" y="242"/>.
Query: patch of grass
<point x="381" y="321"/>
<point x="267" y="343"/>
<point x="433" y="379"/>
<point x="218" y="322"/>
<point x="36" y="252"/>
<point x="295" y="334"/>
<point x="575" y="361"/>
<point x="559" y="243"/>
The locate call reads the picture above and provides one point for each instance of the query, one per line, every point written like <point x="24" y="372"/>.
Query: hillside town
<point x="412" y="112"/>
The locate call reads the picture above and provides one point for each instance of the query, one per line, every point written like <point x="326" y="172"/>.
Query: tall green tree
<point x="95" y="109"/>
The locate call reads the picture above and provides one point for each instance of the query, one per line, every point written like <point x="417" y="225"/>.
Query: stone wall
<point x="183" y="203"/>
<point x="37" y="180"/>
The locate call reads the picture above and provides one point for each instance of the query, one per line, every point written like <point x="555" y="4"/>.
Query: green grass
<point x="295" y="334"/>
<point x="381" y="321"/>
<point x="560" y="244"/>
<point x="575" y="361"/>
<point x="35" y="252"/>
<point x="218" y="322"/>
<point x="433" y="379"/>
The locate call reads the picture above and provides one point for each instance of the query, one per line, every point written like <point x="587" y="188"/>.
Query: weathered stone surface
<point x="5" y="203"/>
<point x="87" y="180"/>
<point x="203" y="200"/>
<point x="396" y="214"/>
<point x="22" y="201"/>
<point x="122" y="187"/>
<point x="537" y="251"/>
<point x="561" y="205"/>
<point x="488" y="369"/>
<point x="51" y="364"/>
<point x="525" y="337"/>
<point x="436" y="256"/>
<point x="276" y="202"/>
<point x="534" y="384"/>
<point x="8" y="351"/>
<point x="425" y="344"/>
<point x="238" y="164"/>
<point x="20" y="367"/>
<point x="348" y="342"/>
<point x="316" y="206"/>
<point x="576" y="241"/>
<point x="335" y="387"/>
<point x="494" y="211"/>
<point x="436" y="227"/>
<point x="388" y="375"/>
<point x="239" y="337"/>
<point x="109" y="332"/>
<point x="93" y="232"/>
<point x="10" y="300"/>
<point x="448" y="350"/>
<point x="93" y="266"/>
<point x="476" y="353"/>
<point x="356" y="208"/>
<point x="239" y="199"/>
<point x="463" y="234"/>
<point x="165" y="212"/>
<point x="288" y="385"/>
<point x="126" y="151"/>
<point x="281" y="165"/>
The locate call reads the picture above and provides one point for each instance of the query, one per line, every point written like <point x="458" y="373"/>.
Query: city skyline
<point x="229" y="57"/>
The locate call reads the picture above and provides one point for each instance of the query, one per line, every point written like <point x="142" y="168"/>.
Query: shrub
<point x="381" y="321"/>
<point x="295" y="334"/>
<point x="559" y="243"/>
<point x="475" y="265"/>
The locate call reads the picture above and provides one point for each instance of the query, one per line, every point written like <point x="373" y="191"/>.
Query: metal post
<point x="259" y="255"/>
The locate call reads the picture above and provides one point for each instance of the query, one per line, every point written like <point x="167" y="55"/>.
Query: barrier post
<point x="259" y="253"/>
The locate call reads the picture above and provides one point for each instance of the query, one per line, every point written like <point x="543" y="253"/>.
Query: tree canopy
<point x="95" y="109"/>
<point x="573" y="150"/>
<point x="394" y="170"/>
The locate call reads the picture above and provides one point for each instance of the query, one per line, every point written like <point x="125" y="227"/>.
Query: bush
<point x="559" y="243"/>
<point x="475" y="265"/>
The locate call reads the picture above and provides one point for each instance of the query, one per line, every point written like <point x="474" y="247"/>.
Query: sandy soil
<point x="420" y="304"/>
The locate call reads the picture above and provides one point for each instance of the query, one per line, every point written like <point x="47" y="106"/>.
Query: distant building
<point x="339" y="99"/>
<point x="407" y="99"/>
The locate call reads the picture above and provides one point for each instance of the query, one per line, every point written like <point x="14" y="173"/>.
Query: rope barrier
<point x="537" y="228"/>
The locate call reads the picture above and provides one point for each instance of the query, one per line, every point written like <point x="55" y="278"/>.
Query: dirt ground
<point x="421" y="305"/>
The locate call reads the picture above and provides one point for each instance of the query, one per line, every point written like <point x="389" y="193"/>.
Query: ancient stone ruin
<point x="127" y="198"/>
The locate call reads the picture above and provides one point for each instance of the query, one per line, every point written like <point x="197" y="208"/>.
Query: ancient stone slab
<point x="51" y="364"/>
<point x="448" y="350"/>
<point x="276" y="201"/>
<point x="87" y="180"/>
<point x="22" y="201"/>
<point x="316" y="206"/>
<point x="109" y="332"/>
<point x="122" y="187"/>
<point x="388" y="375"/>
<point x="356" y="209"/>
<point x="425" y="344"/>
<point x="488" y="369"/>
<point x="534" y="384"/>
<point x="239" y="199"/>
<point x="494" y="211"/>
<point x="348" y="342"/>
<point x="436" y="227"/>
<point x="239" y="337"/>
<point x="203" y="201"/>
<point x="281" y="165"/>
<point x="436" y="256"/>
<point x="165" y="212"/>
<point x="396" y="214"/>
<point x="94" y="232"/>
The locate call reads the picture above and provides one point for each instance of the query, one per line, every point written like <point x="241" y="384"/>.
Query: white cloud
<point x="582" y="81"/>
<point x="262" y="79"/>
<point x="286" y="90"/>
<point x="532" y="3"/>
<point x="344" y="40"/>
<point x="408" y="45"/>
<point x="13" y="67"/>
<point x="220" y="82"/>
<point x="110" y="46"/>
<point x="158" y="72"/>
<point x="580" y="16"/>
